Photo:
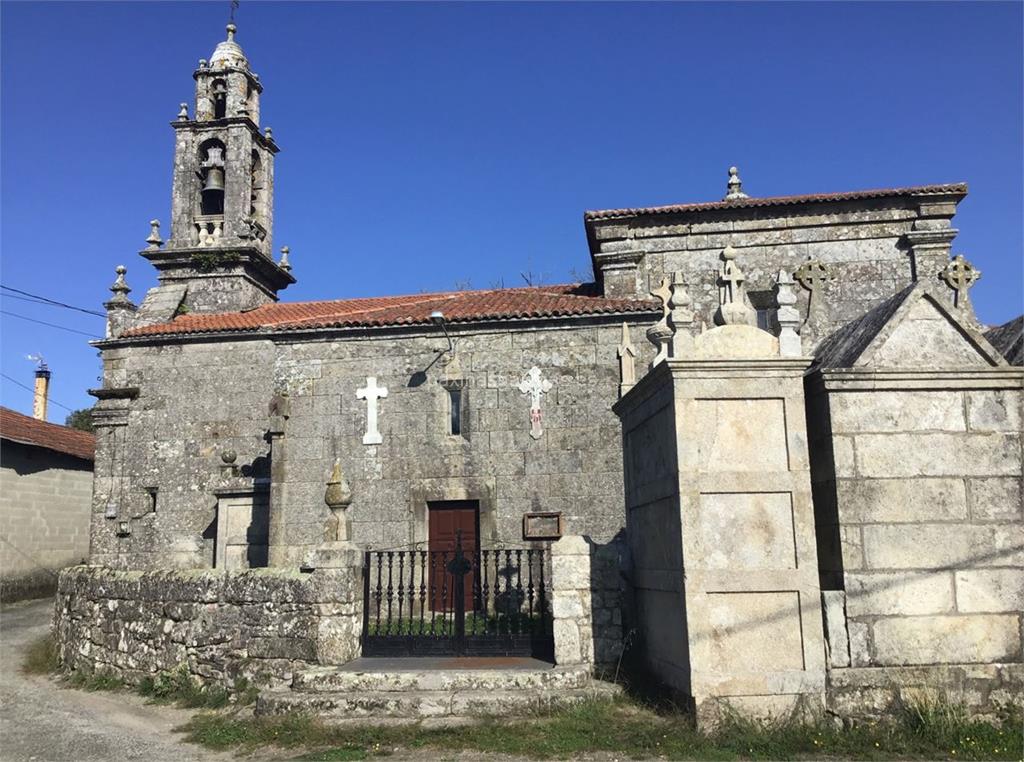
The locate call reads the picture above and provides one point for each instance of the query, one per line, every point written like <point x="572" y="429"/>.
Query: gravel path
<point x="42" y="721"/>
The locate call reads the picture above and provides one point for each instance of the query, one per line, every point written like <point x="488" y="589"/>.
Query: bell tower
<point x="222" y="201"/>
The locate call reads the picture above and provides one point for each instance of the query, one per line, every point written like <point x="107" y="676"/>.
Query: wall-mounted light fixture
<point x="437" y="318"/>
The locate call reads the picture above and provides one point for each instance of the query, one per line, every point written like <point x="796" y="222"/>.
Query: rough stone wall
<point x="199" y="399"/>
<point x="586" y="602"/>
<point x="44" y="518"/>
<point x="863" y="244"/>
<point x="259" y="625"/>
<point x="872" y="693"/>
<point x="930" y="540"/>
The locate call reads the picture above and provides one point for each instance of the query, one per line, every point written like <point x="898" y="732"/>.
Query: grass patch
<point x="96" y="681"/>
<point x="624" y="727"/>
<point x="41" y="656"/>
<point x="180" y="688"/>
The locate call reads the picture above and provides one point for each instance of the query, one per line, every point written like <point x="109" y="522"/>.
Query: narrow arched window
<point x="219" y="90"/>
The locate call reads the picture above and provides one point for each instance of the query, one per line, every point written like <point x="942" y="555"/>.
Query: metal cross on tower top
<point x="960" y="275"/>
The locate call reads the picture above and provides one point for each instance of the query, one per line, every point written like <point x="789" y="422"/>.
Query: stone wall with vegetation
<point x="259" y="625"/>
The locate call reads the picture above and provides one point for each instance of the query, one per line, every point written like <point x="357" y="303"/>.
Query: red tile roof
<point x="27" y="430"/>
<point x="457" y="306"/>
<point x="954" y="189"/>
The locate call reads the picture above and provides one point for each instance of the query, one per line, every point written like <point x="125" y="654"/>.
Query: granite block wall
<point x="258" y="625"/>
<point x="867" y="246"/>
<point x="199" y="399"/>
<point x="587" y="601"/>
<point x="929" y="541"/>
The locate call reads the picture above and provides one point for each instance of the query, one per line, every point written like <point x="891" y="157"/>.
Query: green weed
<point x="624" y="727"/>
<point x="41" y="657"/>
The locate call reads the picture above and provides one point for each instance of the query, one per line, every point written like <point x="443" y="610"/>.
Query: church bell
<point x="214" y="180"/>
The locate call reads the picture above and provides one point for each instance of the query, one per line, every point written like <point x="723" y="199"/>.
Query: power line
<point x="51" y="325"/>
<point x="53" y="302"/>
<point x="30" y="389"/>
<point x="32" y="300"/>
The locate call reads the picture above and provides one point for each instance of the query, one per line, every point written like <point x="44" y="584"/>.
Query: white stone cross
<point x="371" y="393"/>
<point x="535" y="386"/>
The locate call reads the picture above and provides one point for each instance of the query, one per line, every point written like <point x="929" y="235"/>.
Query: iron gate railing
<point x="493" y="602"/>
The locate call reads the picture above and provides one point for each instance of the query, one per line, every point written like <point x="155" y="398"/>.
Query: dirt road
<point x="44" y="722"/>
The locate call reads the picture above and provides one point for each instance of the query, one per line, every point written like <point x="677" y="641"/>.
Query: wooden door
<point x="445" y="520"/>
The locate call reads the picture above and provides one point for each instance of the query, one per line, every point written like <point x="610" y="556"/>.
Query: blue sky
<point x="428" y="145"/>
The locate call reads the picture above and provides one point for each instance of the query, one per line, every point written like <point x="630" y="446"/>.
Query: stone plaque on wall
<point x="542" y="526"/>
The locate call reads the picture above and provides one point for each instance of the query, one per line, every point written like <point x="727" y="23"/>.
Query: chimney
<point x="42" y="392"/>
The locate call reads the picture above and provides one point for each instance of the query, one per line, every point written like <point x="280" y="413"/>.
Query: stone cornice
<point x="330" y="333"/>
<point x="171" y="259"/>
<point x="856" y="379"/>
<point x="214" y="125"/>
<point x="209" y="71"/>
<point x="110" y="393"/>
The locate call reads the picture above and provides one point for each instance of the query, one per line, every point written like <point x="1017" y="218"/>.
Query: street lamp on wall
<point x="437" y="318"/>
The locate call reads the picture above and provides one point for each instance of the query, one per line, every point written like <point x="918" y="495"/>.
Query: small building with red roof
<point x="45" y="499"/>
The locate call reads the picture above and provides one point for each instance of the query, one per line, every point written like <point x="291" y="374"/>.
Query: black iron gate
<point x="493" y="602"/>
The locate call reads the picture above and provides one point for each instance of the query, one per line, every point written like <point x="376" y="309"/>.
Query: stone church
<point x="770" y="447"/>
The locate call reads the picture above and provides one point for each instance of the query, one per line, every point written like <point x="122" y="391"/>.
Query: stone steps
<point x="340" y="696"/>
<point x="332" y="680"/>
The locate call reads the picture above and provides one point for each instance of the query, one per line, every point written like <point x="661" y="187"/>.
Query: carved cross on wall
<point x="812" y="275"/>
<point x="535" y="386"/>
<point x="371" y="393"/>
<point x="960" y="275"/>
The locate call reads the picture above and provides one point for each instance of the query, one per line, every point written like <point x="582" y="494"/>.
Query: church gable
<point x="912" y="329"/>
<point x="923" y="332"/>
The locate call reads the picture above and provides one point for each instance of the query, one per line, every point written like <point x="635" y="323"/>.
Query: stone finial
<point x="154" y="240"/>
<point x="338" y="497"/>
<point x="284" y="264"/>
<point x="203" y="63"/>
<point x="183" y="112"/>
<point x="231" y="29"/>
<point x="268" y="133"/>
<point x="120" y="288"/>
<point x="680" y="316"/>
<point x="627" y="365"/>
<point x="788" y="316"/>
<point x="732" y="302"/>
<point x="228" y="468"/>
<point x="960" y="275"/>
<point x="338" y="494"/>
<point x="660" y="333"/>
<point x="735" y="186"/>
<point x="120" y="309"/>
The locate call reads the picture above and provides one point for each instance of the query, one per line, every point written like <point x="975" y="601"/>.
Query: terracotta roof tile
<point x="457" y="306"/>
<point x="27" y="430"/>
<point x="955" y="189"/>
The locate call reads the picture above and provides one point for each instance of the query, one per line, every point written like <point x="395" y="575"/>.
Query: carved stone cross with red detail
<point x="535" y="386"/>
